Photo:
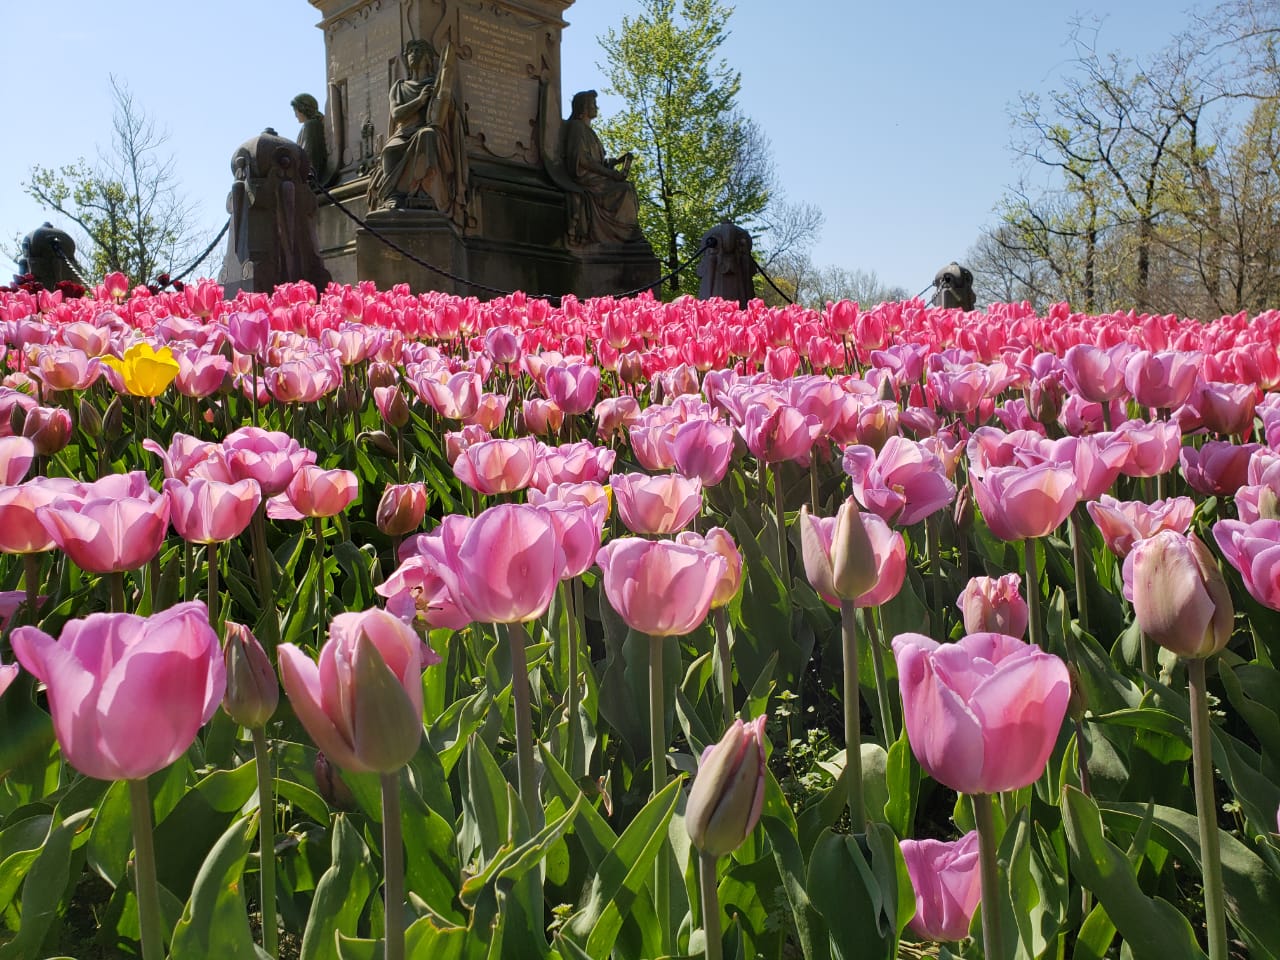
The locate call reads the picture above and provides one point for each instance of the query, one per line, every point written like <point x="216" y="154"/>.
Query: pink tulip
<point x="64" y="368"/>
<point x="184" y="453"/>
<point x="994" y="605"/>
<point x="727" y="795"/>
<point x="108" y="534"/>
<point x="581" y="462"/>
<point x="1096" y="373"/>
<point x="498" y="466"/>
<point x="783" y="433"/>
<point x="1019" y="503"/>
<point x="573" y="387"/>
<point x="960" y="388"/>
<point x="947" y="884"/>
<point x="271" y="457"/>
<point x="651" y="442"/>
<point x="982" y="714"/>
<point x="703" y="448"/>
<point x="542" y="417"/>
<point x="249" y="332"/>
<point x="1218" y="468"/>
<point x="48" y="429"/>
<point x="8" y="673"/>
<point x="1180" y="599"/>
<point x="315" y="492"/>
<point x="502" y="344"/>
<point x="615" y="415"/>
<point x="362" y="705"/>
<point x="454" y="398"/>
<point x="252" y="690"/>
<point x="1254" y="550"/>
<point x="206" y="511"/>
<point x="720" y="541"/>
<point x="1226" y="408"/>
<point x="490" y="410"/>
<point x="418" y="590"/>
<point x="656" y="505"/>
<point x="391" y="405"/>
<point x="657" y="587"/>
<point x="1097" y="460"/>
<point x="852" y="556"/>
<point x="402" y="508"/>
<point x="579" y="527"/>
<point x="128" y="694"/>
<point x="16" y="454"/>
<point x="1124" y="523"/>
<point x="504" y="564"/>
<point x="201" y="374"/>
<point x="902" y="484"/>
<point x="1162" y="380"/>
<point x="20" y="528"/>
<point x="1154" y="447"/>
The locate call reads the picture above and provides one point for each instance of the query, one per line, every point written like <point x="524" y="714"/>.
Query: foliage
<point x="126" y="204"/>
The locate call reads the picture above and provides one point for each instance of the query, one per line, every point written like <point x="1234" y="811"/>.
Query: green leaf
<point x="780" y="826"/>
<point x="902" y="778"/>
<point x="215" y="922"/>
<point x="1153" y="928"/>
<point x="42" y="889"/>
<point x="196" y="823"/>
<point x="341" y="894"/>
<point x="620" y="879"/>
<point x="845" y="891"/>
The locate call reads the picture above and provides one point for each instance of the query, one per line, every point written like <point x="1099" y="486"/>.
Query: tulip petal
<point x="301" y="679"/>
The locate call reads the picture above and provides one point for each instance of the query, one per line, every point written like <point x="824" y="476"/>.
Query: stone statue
<point x="424" y="160"/>
<point x="954" y="284"/>
<point x="604" y="209"/>
<point x="273" y="237"/>
<point x="727" y="266"/>
<point x="41" y="261"/>
<point x="311" y="137"/>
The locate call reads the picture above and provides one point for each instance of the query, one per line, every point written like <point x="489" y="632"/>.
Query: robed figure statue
<point x="603" y="208"/>
<point x="424" y="160"/>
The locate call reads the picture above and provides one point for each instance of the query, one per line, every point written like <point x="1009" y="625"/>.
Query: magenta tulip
<point x="362" y="704"/>
<point x="982" y="714"/>
<point x="902" y="484"/>
<point x="947" y="885"/>
<point x="658" y="587"/>
<point x="128" y="694"/>
<point x="505" y="563"/>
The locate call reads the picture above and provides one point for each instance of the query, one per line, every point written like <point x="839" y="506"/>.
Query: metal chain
<point x="769" y="280"/>
<point x="56" y="246"/>
<point x="200" y="259"/>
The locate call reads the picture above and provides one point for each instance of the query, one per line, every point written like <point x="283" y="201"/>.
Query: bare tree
<point x="127" y="204"/>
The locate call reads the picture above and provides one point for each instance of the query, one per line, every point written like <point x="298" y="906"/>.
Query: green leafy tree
<point x="127" y="206"/>
<point x="698" y="160"/>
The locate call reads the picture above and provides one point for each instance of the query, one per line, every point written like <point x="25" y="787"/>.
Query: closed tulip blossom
<point x="48" y="429"/>
<point x="837" y="553"/>
<point x="542" y="417"/>
<point x="573" y="387"/>
<point x="982" y="714"/>
<point x="201" y="374"/>
<point x="1123" y="523"/>
<point x="1096" y="373"/>
<point x="1162" y="380"/>
<point x="579" y="527"/>
<point x="703" y="448"/>
<point x="402" y="508"/>
<point x="207" y="511"/>
<point x="1218" y="468"/>
<point x="315" y="492"/>
<point x="1226" y="408"/>
<point x="498" y="466"/>
<point x="659" y="588"/>
<point x="362" y="704"/>
<point x="902" y="484"/>
<point x="1019" y="503"/>
<point x="128" y="694"/>
<point x="651" y="443"/>
<point x="994" y="605"/>
<point x="656" y="505"/>
<point x="780" y="434"/>
<point x="1180" y="598"/>
<point x="947" y="883"/>
<point x="253" y="692"/>
<point x="727" y="795"/>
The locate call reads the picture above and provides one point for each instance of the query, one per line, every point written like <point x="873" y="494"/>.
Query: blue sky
<point x="891" y="117"/>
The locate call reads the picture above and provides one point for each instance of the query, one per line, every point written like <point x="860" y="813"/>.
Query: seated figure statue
<point x="605" y="209"/>
<point x="424" y="157"/>
<point x="311" y="136"/>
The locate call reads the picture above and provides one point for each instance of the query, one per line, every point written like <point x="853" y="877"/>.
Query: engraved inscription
<point x="501" y="110"/>
<point x="498" y="44"/>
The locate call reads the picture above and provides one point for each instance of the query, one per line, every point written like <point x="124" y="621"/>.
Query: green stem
<point x="710" y="905"/>
<point x="992" y="938"/>
<point x="392" y="867"/>
<point x="1035" y="627"/>
<point x="882" y="684"/>
<point x="658" y="761"/>
<point x="580" y="639"/>
<point x="1147" y="658"/>
<point x="262" y="568"/>
<point x="318" y="531"/>
<point x="784" y="564"/>
<point x="571" y="690"/>
<point x="211" y="561"/>
<point x="1081" y="564"/>
<point x="31" y="580"/>
<point x="526" y="784"/>
<point x="813" y="487"/>
<point x="725" y="665"/>
<point x="932" y="538"/>
<point x="852" y="717"/>
<point x="144" y="872"/>
<point x="266" y="842"/>
<point x="1206" y="810"/>
<point x="188" y="571"/>
<point x="116" y="581"/>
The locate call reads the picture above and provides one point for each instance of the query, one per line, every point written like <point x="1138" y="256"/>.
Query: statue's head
<point x="307" y="105"/>
<point x="419" y="51"/>
<point x="582" y="102"/>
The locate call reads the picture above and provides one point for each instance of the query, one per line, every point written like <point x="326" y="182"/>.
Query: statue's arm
<point x="403" y="108"/>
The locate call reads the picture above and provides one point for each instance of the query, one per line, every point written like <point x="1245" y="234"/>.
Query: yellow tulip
<point x="146" y="372"/>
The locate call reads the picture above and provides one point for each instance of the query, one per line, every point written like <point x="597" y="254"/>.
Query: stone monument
<point x="272" y="238"/>
<point x="445" y="132"/>
<point x="726" y="269"/>
<point x="41" y="260"/>
<point x="954" y="285"/>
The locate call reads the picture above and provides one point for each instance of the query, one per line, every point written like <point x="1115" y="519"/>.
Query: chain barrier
<point x="928" y="287"/>
<point x="551" y="297"/>
<point x="769" y="280"/>
<point x="171" y="281"/>
<point x="56" y="247"/>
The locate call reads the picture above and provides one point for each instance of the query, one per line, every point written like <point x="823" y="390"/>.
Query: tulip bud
<point x="379" y="440"/>
<point x="962" y="513"/>
<point x="382" y="374"/>
<point x="630" y="368"/>
<point x="728" y="791"/>
<point x="90" y="419"/>
<point x="17" y="418"/>
<point x="392" y="405"/>
<point x="1045" y="399"/>
<point x="113" y="419"/>
<point x="48" y="429"/>
<point x="1268" y="504"/>
<point x="252" y="691"/>
<point x="387" y="729"/>
<point x="331" y="786"/>
<point x="401" y="509"/>
<point x="1180" y="598"/>
<point x="886" y="391"/>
